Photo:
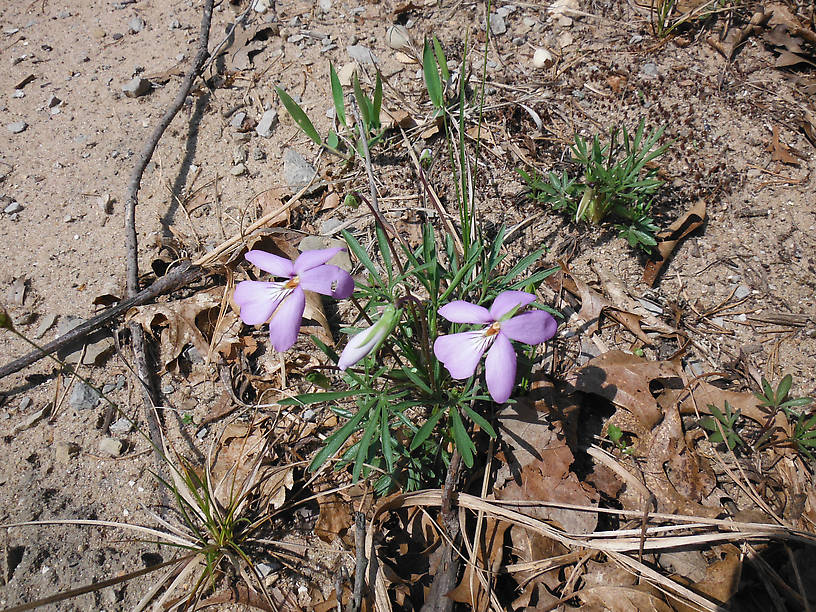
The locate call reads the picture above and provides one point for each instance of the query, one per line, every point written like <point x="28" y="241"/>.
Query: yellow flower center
<point x="291" y="283"/>
<point x="493" y="329"/>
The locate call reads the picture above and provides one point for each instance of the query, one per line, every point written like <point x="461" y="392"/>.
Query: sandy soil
<point x="68" y="169"/>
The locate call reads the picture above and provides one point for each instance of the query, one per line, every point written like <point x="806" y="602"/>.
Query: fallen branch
<point x="137" y="333"/>
<point x="181" y="276"/>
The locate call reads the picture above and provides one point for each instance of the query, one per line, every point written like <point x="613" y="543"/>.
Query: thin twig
<point x="361" y="562"/>
<point x="137" y="333"/>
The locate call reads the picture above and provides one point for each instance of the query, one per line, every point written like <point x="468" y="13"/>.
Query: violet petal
<point x="465" y="312"/>
<point x="506" y="301"/>
<point x="258" y="300"/>
<point x="278" y="266"/>
<point x="311" y="259"/>
<point x="500" y="369"/>
<point x="460" y="353"/>
<point x="532" y="327"/>
<point x="327" y="280"/>
<point x="284" y="326"/>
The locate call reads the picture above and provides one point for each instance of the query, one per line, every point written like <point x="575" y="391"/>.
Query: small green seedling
<point x="778" y="400"/>
<point x="346" y="134"/>
<point x="722" y="425"/>
<point x="620" y="440"/>
<point x="804" y="435"/>
<point x="617" y="182"/>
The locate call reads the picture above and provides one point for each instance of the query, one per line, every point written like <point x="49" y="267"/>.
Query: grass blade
<point x="337" y="96"/>
<point x="299" y="115"/>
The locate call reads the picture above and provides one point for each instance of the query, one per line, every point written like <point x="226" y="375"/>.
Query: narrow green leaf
<point x="523" y="264"/>
<point x="460" y="436"/>
<point x="426" y="430"/>
<point x="337" y="95"/>
<point x="332" y="140"/>
<point x="362" y="103"/>
<point x="432" y="82"/>
<point x="365" y="443"/>
<point x="300" y="117"/>
<point x="361" y="255"/>
<point x="313" y="398"/>
<point x="783" y="388"/>
<point x="385" y="251"/>
<point x="376" y="106"/>
<point x="412" y="374"/>
<point x="480" y="421"/>
<point x="338" y="438"/>
<point x="385" y="438"/>
<point x="440" y="59"/>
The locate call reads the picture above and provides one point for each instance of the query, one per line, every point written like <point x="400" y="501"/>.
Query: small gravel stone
<point x="238" y="119"/>
<point x="297" y="172"/>
<point x="136" y="87"/>
<point x="497" y="24"/>
<point x="743" y="291"/>
<point x="361" y="54"/>
<point x="110" y="447"/>
<point x="17" y="127"/>
<point x="18" y="93"/>
<point x="12" y="208"/>
<point x="120" y="427"/>
<point x="175" y="24"/>
<point x="649" y="70"/>
<point x="258" y="154"/>
<point x="167" y="389"/>
<point x="65" y="451"/>
<point x="238" y="170"/>
<point x="54" y="101"/>
<point x="267" y="122"/>
<point x="83" y="397"/>
<point x="136" y="25"/>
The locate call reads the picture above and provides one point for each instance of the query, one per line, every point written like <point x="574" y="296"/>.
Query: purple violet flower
<point x="285" y="301"/>
<point x="460" y="353"/>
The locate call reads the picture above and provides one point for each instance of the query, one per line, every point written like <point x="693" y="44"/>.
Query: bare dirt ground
<point x="741" y="286"/>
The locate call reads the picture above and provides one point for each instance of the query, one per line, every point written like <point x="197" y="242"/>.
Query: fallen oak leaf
<point x="668" y="240"/>
<point x="779" y="151"/>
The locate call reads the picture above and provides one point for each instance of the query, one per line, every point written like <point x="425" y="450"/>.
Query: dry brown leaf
<point x="668" y="240"/>
<point x="191" y="321"/>
<point x="721" y="580"/>
<point x="643" y="598"/>
<point x="616" y="82"/>
<point x="786" y="59"/>
<point x="593" y="304"/>
<point x="271" y="200"/>
<point x="527" y="436"/>
<point x="779" y="151"/>
<point x="334" y="519"/>
<point x="736" y="36"/>
<point x="624" y="380"/>
<point x="490" y="556"/>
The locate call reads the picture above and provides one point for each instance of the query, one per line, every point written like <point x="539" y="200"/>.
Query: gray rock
<point x="45" y="324"/>
<point x="269" y="119"/>
<point x="238" y="169"/>
<point x="24" y="404"/>
<point x="17" y="127"/>
<point x="136" y="87"/>
<point x="258" y="154"/>
<point x="649" y="70"/>
<point x="167" y="389"/>
<point x="12" y="208"/>
<point x="110" y="447"/>
<point x="53" y="101"/>
<point x="136" y="25"/>
<point x="18" y="93"/>
<point x="237" y="120"/>
<point x="329" y="225"/>
<point x="118" y="36"/>
<point x="361" y="54"/>
<point x="264" y="569"/>
<point x="743" y="291"/>
<point x="175" y="24"/>
<point x="297" y="172"/>
<point x="83" y="397"/>
<point x="202" y="433"/>
<point x="120" y="427"/>
<point x="497" y="24"/>
<point x="65" y="451"/>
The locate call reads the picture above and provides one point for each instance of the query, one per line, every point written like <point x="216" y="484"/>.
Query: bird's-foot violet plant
<point x="406" y="380"/>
